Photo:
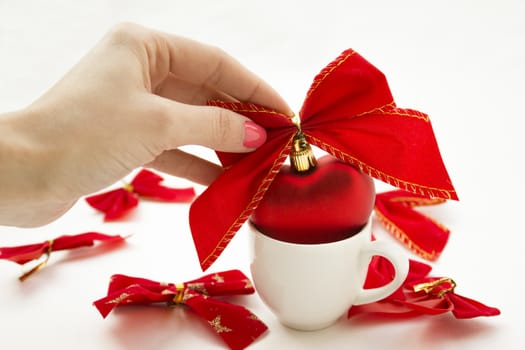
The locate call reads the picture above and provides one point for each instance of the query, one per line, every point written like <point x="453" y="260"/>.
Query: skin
<point x="136" y="97"/>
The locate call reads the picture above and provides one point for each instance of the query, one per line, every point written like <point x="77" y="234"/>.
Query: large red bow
<point x="30" y="252"/>
<point x="236" y="325"/>
<point x="420" y="294"/>
<point x="350" y="113"/>
<point x="116" y="203"/>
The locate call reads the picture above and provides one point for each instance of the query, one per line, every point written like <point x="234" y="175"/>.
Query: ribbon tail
<point x="87" y="239"/>
<point x="236" y="325"/>
<point x="422" y="235"/>
<point x="468" y="308"/>
<point x="219" y="212"/>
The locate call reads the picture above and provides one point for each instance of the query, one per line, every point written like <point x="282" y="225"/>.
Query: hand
<point x="131" y="101"/>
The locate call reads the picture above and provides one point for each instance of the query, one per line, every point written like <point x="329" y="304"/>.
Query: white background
<point x="462" y="62"/>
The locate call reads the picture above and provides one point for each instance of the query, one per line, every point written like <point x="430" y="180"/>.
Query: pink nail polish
<point x="254" y="135"/>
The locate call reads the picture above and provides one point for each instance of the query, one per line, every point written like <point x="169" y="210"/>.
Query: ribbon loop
<point x="421" y="234"/>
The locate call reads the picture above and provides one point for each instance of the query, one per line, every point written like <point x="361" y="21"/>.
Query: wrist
<point x="26" y="197"/>
<point x="17" y="153"/>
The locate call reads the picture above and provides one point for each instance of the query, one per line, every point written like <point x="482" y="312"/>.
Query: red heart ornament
<point x="331" y="202"/>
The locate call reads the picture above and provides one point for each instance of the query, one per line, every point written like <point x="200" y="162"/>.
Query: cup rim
<point x="366" y="228"/>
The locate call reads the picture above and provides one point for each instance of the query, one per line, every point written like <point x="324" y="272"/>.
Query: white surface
<point x="460" y="61"/>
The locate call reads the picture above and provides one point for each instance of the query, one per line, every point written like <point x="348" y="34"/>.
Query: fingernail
<point x="254" y="135"/>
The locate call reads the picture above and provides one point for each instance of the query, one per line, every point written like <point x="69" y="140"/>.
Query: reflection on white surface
<point x="461" y="62"/>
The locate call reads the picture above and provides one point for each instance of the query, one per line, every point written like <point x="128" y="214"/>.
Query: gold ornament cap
<point x="302" y="156"/>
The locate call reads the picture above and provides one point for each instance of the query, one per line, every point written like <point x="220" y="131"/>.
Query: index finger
<point x="210" y="66"/>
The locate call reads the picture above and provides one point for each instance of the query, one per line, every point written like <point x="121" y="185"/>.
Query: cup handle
<point x="401" y="265"/>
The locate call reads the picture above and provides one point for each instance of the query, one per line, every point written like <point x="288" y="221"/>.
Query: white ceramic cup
<point x="310" y="286"/>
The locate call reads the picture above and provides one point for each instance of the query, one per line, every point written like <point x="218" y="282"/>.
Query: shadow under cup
<point x="310" y="286"/>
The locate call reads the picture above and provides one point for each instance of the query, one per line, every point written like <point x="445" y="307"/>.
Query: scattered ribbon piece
<point x="32" y="252"/>
<point x="419" y="295"/>
<point x="421" y="234"/>
<point x="116" y="203"/>
<point x="236" y="325"/>
<point x="348" y="112"/>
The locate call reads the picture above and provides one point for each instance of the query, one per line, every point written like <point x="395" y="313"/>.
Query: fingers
<point x="188" y="166"/>
<point x="212" y="127"/>
<point x="211" y="67"/>
<point x="179" y="90"/>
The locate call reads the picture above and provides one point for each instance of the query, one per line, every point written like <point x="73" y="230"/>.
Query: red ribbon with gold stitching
<point x="419" y="295"/>
<point x="26" y="253"/>
<point x="350" y="113"/>
<point x="116" y="203"/>
<point x="421" y="234"/>
<point x="236" y="325"/>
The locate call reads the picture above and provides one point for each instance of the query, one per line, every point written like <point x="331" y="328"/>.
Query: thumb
<point x="216" y="128"/>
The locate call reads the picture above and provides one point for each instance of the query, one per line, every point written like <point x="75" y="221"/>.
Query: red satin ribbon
<point x="350" y="113"/>
<point x="419" y="295"/>
<point x="26" y="253"/>
<point x="236" y="325"/>
<point x="116" y="203"/>
<point x="421" y="234"/>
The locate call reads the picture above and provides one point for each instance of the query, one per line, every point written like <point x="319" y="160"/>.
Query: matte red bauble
<point x="328" y="202"/>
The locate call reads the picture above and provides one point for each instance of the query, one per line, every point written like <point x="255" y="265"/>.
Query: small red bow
<point x="236" y="325"/>
<point x="348" y="112"/>
<point x="26" y="253"/>
<point x="422" y="235"/>
<point x="420" y="294"/>
<point x="116" y="203"/>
